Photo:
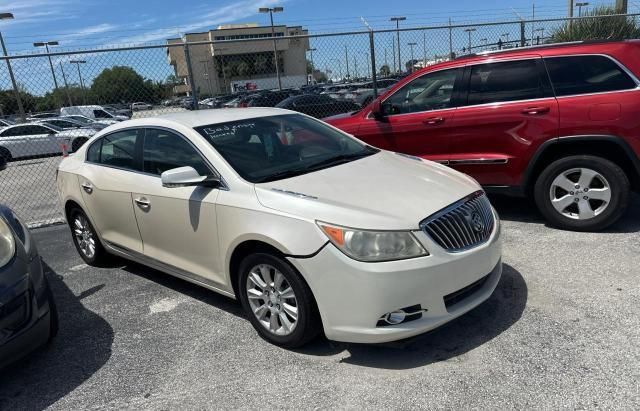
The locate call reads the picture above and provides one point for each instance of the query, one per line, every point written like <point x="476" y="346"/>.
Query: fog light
<point x="395" y="317"/>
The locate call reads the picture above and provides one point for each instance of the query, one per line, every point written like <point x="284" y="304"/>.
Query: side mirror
<point x="376" y="109"/>
<point x="187" y="177"/>
<point x="3" y="163"/>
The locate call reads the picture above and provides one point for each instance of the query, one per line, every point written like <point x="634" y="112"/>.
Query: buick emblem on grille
<point x="476" y="222"/>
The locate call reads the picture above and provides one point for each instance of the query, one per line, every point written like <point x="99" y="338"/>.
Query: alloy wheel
<point x="272" y="299"/>
<point x="580" y="193"/>
<point x="84" y="236"/>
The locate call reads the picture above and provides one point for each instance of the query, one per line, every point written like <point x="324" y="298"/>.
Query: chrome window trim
<point x="223" y="186"/>
<point x="613" y="59"/>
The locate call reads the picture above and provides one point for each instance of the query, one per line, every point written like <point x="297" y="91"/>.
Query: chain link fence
<point x="50" y="104"/>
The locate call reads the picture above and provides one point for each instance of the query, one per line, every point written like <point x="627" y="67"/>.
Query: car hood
<point x="385" y="191"/>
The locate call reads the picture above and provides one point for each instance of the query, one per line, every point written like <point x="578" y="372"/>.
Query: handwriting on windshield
<point x="226" y="130"/>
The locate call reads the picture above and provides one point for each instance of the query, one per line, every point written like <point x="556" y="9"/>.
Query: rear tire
<point x="6" y="154"/>
<point x="582" y="193"/>
<point x="278" y="302"/>
<point x="86" y="239"/>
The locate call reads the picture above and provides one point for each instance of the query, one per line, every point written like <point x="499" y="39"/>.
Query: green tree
<point x="60" y="97"/>
<point x="604" y="28"/>
<point x="384" y="70"/>
<point x="121" y="84"/>
<point x="9" y="104"/>
<point x="244" y="69"/>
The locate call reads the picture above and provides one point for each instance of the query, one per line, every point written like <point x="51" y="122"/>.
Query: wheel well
<point x="70" y="205"/>
<point x="243" y="250"/>
<point x="607" y="149"/>
<point x="6" y="153"/>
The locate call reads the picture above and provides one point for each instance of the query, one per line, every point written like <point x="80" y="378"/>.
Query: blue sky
<point x="87" y="24"/>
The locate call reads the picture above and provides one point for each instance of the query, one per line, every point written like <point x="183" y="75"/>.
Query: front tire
<point x="582" y="193"/>
<point x="278" y="302"/>
<point x="86" y="239"/>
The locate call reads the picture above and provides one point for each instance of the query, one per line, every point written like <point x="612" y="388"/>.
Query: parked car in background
<point x="28" y="315"/>
<point x="5" y="123"/>
<point x="67" y="123"/>
<point x="119" y="109"/>
<point x="92" y="112"/>
<point x="40" y="116"/>
<point x="189" y="103"/>
<point x="141" y="106"/>
<point x="268" y="98"/>
<point x="88" y="121"/>
<point x="316" y="105"/>
<point x="558" y="123"/>
<point x="294" y="218"/>
<point x="35" y="139"/>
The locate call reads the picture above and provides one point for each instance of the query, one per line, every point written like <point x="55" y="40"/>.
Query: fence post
<point x="522" y="34"/>
<point x="194" y="92"/>
<point x="372" y="52"/>
<point x="13" y="82"/>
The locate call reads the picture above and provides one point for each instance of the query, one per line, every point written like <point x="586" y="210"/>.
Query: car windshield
<point x="277" y="147"/>
<point x="81" y="119"/>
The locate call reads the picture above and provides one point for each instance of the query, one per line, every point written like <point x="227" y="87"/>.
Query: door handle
<point x="433" y="120"/>
<point x="87" y="187"/>
<point x="143" y="203"/>
<point x="532" y="111"/>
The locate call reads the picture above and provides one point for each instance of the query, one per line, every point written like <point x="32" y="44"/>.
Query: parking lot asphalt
<point x="562" y="330"/>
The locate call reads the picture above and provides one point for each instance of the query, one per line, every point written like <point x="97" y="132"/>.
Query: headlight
<point x="365" y="245"/>
<point x="7" y="243"/>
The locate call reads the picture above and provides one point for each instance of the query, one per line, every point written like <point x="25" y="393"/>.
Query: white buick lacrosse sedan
<point x="311" y="229"/>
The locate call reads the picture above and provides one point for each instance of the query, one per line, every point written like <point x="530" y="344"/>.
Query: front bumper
<point x="352" y="296"/>
<point x="24" y="300"/>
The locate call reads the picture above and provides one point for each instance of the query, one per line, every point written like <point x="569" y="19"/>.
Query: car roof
<point x="215" y="116"/>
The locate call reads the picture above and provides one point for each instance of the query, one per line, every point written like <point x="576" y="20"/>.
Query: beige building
<point x="240" y="57"/>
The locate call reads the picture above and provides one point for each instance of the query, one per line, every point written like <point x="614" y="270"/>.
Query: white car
<point x="141" y="106"/>
<point x="93" y="112"/>
<point x="33" y="139"/>
<point x="88" y="121"/>
<point x="308" y="227"/>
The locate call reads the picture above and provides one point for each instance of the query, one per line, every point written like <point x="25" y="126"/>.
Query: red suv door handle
<point x="532" y="111"/>
<point x="433" y="120"/>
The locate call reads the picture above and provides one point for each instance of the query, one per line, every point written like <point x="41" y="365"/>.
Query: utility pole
<point x="393" y="53"/>
<point x="355" y="65"/>
<point x="570" y="6"/>
<point x="469" y="31"/>
<point x="424" y="49"/>
<point x="450" y="41"/>
<point x="398" y="20"/>
<point x="272" y="10"/>
<point x="313" y="66"/>
<point x="580" y="5"/>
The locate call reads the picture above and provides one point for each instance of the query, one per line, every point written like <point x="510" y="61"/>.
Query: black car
<point x="28" y="316"/>
<point x="268" y="98"/>
<point x="318" y="105"/>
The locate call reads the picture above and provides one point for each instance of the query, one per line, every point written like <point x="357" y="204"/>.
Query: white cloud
<point x="225" y="14"/>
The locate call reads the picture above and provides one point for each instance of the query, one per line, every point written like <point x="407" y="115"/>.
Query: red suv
<point x="560" y="123"/>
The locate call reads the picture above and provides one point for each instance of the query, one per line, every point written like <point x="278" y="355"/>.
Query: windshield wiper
<point x="282" y="174"/>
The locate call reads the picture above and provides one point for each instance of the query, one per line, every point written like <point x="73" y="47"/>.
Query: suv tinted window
<point x="117" y="150"/>
<point x="164" y="151"/>
<point x="586" y="74"/>
<point x="504" y="81"/>
<point x="101" y="114"/>
<point x="432" y="91"/>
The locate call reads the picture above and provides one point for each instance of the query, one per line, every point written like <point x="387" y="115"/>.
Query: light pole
<point x="272" y="10"/>
<point x="313" y="66"/>
<point x="424" y="49"/>
<point x="506" y="36"/>
<point x="9" y="16"/>
<point x="541" y="36"/>
<point x="46" y="45"/>
<point x="346" y="60"/>
<point x="469" y="31"/>
<point x="484" y="42"/>
<point x="580" y="5"/>
<point x="398" y="20"/>
<point x="411" y="48"/>
<point x="84" y="92"/>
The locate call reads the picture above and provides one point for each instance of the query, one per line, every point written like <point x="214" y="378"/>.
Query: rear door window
<point x="572" y="75"/>
<point x="505" y="81"/>
<point x="116" y="150"/>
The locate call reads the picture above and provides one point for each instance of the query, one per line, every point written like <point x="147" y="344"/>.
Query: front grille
<point x="463" y="225"/>
<point x="457" y="296"/>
